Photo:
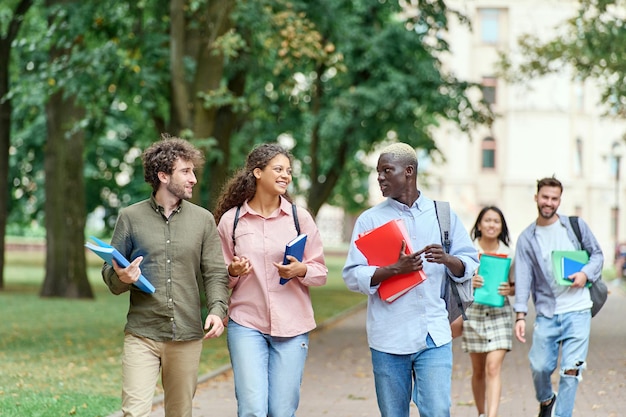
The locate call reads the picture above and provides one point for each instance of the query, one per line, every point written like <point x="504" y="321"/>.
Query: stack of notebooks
<point x="566" y="263"/>
<point x="381" y="246"/>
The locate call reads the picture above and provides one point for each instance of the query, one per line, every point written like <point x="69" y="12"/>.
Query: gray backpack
<point x="458" y="296"/>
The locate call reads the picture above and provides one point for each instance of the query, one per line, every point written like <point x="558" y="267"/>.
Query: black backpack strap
<point x="235" y="226"/>
<point x="295" y="218"/>
<point x="573" y="220"/>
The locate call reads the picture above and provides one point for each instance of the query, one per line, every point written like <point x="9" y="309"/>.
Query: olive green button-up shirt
<point x="182" y="255"/>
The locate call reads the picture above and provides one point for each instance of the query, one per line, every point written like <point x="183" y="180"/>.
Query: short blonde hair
<point x="402" y="151"/>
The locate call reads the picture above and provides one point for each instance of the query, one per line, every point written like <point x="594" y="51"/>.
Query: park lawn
<point x="62" y="357"/>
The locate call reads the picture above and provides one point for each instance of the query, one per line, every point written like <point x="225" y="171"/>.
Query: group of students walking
<point x="236" y="257"/>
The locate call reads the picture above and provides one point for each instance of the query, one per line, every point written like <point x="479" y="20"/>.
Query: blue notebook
<point x="578" y="256"/>
<point x="108" y="253"/>
<point x="570" y="266"/>
<point x="294" y="248"/>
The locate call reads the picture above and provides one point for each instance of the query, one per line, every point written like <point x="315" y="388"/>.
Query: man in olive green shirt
<point x="175" y="245"/>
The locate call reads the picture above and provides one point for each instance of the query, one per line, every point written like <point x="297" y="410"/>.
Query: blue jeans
<point x="430" y="372"/>
<point x="570" y="332"/>
<point x="268" y="371"/>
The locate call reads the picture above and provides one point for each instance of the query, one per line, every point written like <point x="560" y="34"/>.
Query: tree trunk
<point x="188" y="111"/>
<point x="66" y="266"/>
<point x="6" y="110"/>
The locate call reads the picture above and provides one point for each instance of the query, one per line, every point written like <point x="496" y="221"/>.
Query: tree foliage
<point x="592" y="44"/>
<point x="332" y="79"/>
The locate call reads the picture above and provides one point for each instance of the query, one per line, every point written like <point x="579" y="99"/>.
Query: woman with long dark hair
<point x="270" y="310"/>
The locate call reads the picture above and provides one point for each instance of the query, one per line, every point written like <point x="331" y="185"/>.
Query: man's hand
<point x="214" y="326"/>
<point x="520" y="329"/>
<point x="436" y="254"/>
<point x="131" y="273"/>
<point x="579" y="279"/>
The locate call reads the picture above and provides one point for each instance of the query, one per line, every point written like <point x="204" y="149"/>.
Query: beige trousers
<point x="143" y="359"/>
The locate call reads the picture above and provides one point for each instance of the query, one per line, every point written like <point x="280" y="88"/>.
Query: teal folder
<point x="495" y="271"/>
<point x="580" y="256"/>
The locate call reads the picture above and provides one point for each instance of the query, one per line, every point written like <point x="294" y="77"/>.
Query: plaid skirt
<point x="488" y="328"/>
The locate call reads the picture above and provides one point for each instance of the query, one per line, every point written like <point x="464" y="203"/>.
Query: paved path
<point x="338" y="378"/>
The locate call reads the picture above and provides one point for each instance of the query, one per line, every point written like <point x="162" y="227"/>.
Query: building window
<point x="488" y="153"/>
<point x="489" y="25"/>
<point x="489" y="85"/>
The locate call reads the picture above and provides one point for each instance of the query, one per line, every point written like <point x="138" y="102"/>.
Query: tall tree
<point x="6" y="110"/>
<point x="590" y="45"/>
<point x="66" y="269"/>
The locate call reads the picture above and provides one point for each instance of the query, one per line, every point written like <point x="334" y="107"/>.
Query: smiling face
<point x="181" y="181"/>
<point x="275" y="177"/>
<point x="490" y="225"/>
<point x="548" y="200"/>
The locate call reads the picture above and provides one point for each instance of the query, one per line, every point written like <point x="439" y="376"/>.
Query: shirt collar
<point x="285" y="207"/>
<point x="159" y="209"/>
<point x="417" y="205"/>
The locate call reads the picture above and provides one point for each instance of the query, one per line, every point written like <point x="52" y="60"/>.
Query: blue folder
<point x="108" y="253"/>
<point x="294" y="248"/>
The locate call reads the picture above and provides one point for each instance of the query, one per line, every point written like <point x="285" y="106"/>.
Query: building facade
<point x="552" y="125"/>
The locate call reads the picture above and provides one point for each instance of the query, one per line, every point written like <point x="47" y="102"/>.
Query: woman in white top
<point x="488" y="331"/>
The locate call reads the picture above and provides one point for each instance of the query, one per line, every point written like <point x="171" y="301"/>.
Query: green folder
<point x="495" y="271"/>
<point x="557" y="263"/>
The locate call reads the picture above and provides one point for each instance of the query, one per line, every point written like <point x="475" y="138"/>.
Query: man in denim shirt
<point x="563" y="312"/>
<point x="410" y="338"/>
<point x="175" y="245"/>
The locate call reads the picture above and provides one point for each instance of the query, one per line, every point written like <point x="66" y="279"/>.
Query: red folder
<point x="381" y="247"/>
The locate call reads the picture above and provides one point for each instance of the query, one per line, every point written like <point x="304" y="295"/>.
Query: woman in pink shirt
<point x="269" y="318"/>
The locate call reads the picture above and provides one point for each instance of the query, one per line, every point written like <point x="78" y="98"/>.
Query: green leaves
<point x="591" y="43"/>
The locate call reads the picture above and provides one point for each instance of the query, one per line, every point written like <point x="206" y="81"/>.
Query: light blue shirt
<point x="401" y="327"/>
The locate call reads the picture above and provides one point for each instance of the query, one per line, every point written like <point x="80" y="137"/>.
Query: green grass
<point x="62" y="357"/>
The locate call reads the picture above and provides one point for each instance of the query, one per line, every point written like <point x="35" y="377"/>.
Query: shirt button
<point x="171" y="318"/>
<point x="168" y="261"/>
<point x="169" y="280"/>
<point x="167" y="241"/>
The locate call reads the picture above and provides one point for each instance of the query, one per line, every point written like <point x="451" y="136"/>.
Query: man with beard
<point x="563" y="312"/>
<point x="175" y="245"/>
<point x="410" y="338"/>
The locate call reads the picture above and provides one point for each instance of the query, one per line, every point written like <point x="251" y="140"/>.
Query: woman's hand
<point x="478" y="281"/>
<point x="505" y="288"/>
<point x="240" y="265"/>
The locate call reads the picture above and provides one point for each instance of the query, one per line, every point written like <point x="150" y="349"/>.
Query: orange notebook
<point x="381" y="247"/>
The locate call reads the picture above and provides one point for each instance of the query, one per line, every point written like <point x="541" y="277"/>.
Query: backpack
<point x="458" y="296"/>
<point x="598" y="290"/>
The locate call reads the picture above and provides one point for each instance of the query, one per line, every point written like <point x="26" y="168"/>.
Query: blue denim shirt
<point x="401" y="327"/>
<point x="531" y="276"/>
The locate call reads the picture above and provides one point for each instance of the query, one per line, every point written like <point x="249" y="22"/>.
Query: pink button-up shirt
<point x="258" y="300"/>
